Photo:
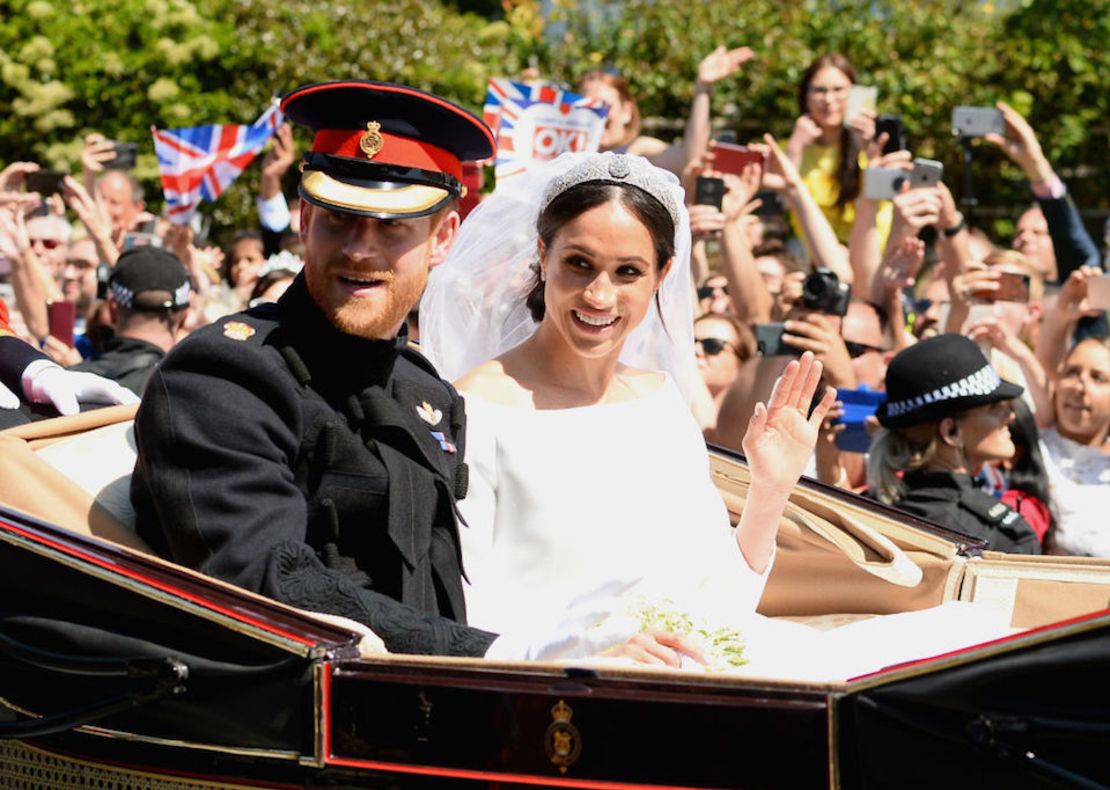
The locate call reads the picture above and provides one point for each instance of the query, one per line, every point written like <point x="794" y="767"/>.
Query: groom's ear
<point x="444" y="229"/>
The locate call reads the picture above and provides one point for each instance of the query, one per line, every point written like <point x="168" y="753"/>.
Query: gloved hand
<point x="46" y="382"/>
<point x="8" y="399"/>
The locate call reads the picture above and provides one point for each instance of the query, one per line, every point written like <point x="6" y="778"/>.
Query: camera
<point x="126" y="156"/>
<point x="823" y="291"/>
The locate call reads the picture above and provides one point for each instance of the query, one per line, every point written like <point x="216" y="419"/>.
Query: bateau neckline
<point x="664" y="385"/>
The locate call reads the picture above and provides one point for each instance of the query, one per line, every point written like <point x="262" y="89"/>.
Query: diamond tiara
<point x="609" y="168"/>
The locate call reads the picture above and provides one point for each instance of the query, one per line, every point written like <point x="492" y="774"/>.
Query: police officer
<point x="301" y="449"/>
<point x="148" y="292"/>
<point x="947" y="413"/>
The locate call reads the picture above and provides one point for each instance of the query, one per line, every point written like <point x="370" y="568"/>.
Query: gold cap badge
<point x="371" y="142"/>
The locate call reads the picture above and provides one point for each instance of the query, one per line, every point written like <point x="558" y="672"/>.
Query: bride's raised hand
<point x="782" y="433"/>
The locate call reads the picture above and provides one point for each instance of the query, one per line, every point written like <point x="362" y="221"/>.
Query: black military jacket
<point x="126" y="360"/>
<point x="954" y="501"/>
<point x="312" y="466"/>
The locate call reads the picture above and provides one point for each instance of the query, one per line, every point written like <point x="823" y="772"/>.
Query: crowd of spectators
<point x="796" y="255"/>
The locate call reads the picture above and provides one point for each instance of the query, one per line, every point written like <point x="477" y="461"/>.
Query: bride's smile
<point x="600" y="275"/>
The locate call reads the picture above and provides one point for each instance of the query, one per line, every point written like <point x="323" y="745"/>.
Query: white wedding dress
<point x="576" y="515"/>
<point x="578" y="519"/>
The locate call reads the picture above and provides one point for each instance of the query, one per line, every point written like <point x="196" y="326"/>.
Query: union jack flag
<point x="537" y="122"/>
<point x="199" y="162"/>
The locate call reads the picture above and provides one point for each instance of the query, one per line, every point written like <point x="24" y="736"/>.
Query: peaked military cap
<point x="384" y="150"/>
<point x="939" y="377"/>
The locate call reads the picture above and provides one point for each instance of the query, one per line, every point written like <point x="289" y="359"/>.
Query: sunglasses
<point x="707" y="291"/>
<point x="713" y="346"/>
<point x="859" y="349"/>
<point x="49" y="244"/>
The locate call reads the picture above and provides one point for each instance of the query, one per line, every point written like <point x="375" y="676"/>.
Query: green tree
<point x="120" y="66"/>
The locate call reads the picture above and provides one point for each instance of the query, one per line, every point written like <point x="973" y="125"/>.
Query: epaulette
<point x="987" y="508"/>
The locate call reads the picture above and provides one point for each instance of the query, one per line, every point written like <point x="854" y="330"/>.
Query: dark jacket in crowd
<point x="1074" y="248"/>
<point x="956" y="502"/>
<point x="311" y="466"/>
<point x="126" y="360"/>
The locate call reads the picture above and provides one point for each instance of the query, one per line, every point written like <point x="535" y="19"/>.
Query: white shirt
<point x="1079" y="482"/>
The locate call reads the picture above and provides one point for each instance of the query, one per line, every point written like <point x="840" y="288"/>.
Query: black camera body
<point x="823" y="291"/>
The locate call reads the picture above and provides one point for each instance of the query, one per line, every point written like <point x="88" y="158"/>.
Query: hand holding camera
<point x="821" y="334"/>
<point x="98" y="151"/>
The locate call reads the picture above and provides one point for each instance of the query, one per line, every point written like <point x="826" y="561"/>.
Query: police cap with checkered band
<point x="940" y="377"/>
<point x="384" y="150"/>
<point x="148" y="278"/>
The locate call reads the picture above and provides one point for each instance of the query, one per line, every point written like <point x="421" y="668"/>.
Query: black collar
<point x="921" y="478"/>
<point x="339" y="363"/>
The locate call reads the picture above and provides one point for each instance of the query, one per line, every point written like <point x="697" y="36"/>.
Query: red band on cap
<point x="395" y="150"/>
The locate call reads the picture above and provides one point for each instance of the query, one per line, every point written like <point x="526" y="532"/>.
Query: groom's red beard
<point x="378" y="315"/>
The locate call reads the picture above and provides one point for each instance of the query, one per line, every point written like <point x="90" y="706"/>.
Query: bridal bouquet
<point x="723" y="646"/>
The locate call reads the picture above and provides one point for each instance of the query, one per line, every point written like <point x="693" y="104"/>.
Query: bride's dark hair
<point x="579" y="199"/>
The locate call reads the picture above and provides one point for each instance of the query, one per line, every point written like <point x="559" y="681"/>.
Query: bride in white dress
<point x="565" y="313"/>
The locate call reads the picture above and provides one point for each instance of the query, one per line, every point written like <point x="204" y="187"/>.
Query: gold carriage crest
<point x="562" y="739"/>
<point x="371" y="141"/>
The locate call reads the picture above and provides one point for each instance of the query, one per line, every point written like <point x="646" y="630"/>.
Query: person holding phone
<point x="622" y="125"/>
<point x="828" y="147"/>
<point x="1051" y="233"/>
<point x="1071" y="389"/>
<point x="36" y="249"/>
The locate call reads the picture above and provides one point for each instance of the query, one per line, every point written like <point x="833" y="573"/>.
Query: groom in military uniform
<point x="302" y="450"/>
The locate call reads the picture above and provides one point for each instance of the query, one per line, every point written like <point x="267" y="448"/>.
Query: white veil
<point x="473" y="308"/>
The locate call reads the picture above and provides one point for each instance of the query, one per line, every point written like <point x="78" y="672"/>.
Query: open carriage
<point x="121" y="670"/>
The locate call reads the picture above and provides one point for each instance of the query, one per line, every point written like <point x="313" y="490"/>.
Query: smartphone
<point x="126" y="156"/>
<point x="977" y="121"/>
<point x="1098" y="292"/>
<point x="46" y="182"/>
<point x="926" y="173"/>
<point x="859" y="404"/>
<point x="709" y="192"/>
<point x="1012" y="287"/>
<point x="729" y="158"/>
<point x="860" y="98"/>
<point x="60" y="317"/>
<point x="896" y="133"/>
<point x="768" y="341"/>
<point x="771" y="204"/>
<point x="883" y="183"/>
<point x="132" y="240"/>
